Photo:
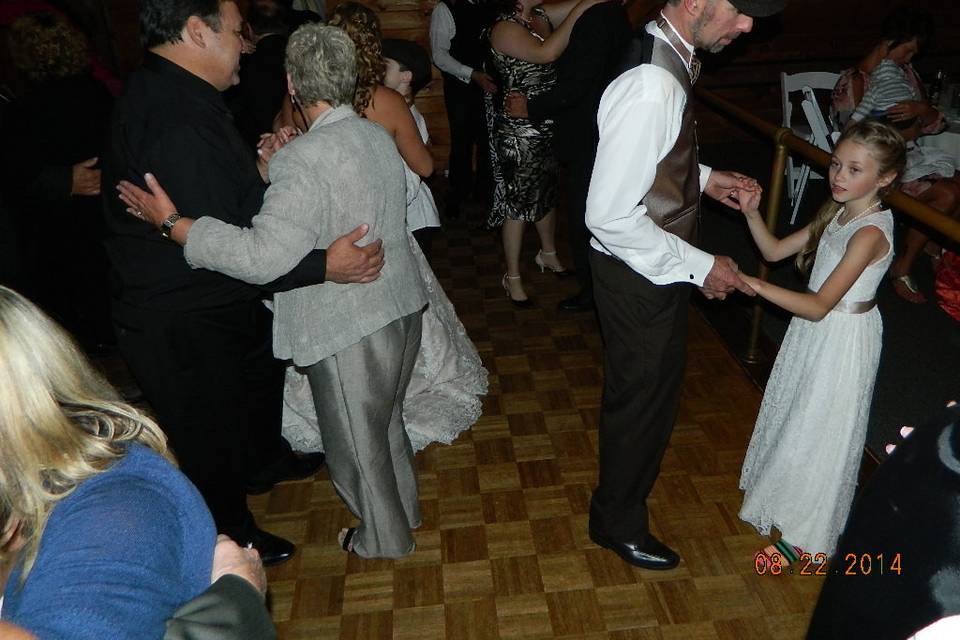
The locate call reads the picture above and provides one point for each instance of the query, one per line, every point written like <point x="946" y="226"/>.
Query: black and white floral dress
<point x="525" y="168"/>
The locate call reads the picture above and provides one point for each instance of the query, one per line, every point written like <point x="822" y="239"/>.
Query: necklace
<point x="856" y="217"/>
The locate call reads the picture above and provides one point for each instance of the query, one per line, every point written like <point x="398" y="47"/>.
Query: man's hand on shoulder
<point x="347" y="263"/>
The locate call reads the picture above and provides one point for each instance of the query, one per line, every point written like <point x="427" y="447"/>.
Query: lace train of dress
<point x="442" y="399"/>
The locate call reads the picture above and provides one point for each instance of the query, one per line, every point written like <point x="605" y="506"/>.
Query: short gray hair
<point x="322" y="63"/>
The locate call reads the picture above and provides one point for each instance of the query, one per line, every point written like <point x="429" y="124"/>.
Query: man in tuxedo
<point x="588" y="64"/>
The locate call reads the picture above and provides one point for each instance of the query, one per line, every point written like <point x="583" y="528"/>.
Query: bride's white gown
<point x="442" y="399"/>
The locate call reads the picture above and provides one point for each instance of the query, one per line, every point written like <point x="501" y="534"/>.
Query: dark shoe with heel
<point x="648" y="554"/>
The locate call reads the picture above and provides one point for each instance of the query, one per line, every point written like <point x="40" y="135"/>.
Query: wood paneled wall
<point x="810" y="35"/>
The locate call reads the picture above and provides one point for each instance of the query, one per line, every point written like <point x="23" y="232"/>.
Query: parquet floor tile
<point x="503" y="551"/>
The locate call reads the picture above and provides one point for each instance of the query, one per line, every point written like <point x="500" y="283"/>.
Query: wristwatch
<point x="166" y="227"/>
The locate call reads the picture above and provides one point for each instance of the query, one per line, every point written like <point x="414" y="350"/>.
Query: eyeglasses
<point x="303" y="116"/>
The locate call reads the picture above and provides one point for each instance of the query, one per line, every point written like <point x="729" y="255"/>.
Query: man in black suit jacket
<point x="256" y="101"/>
<point x="588" y="64"/>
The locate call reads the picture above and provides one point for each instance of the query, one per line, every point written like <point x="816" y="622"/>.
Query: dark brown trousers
<point x="644" y="329"/>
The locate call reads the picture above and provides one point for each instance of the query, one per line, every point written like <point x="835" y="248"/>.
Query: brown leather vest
<point x="673" y="201"/>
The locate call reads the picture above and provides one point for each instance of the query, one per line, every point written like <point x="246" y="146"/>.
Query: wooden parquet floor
<point x="503" y="551"/>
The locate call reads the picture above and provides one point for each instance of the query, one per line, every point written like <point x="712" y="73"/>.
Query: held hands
<point x="347" y="263"/>
<point x="484" y="81"/>
<point x="231" y="559"/>
<point x="723" y="278"/>
<point x="515" y="105"/>
<point x="749" y="201"/>
<point x="725" y="186"/>
<point x="153" y="206"/>
<point x="86" y="179"/>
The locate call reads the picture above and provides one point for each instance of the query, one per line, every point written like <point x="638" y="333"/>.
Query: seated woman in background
<point x="930" y="176"/>
<point x="108" y="537"/>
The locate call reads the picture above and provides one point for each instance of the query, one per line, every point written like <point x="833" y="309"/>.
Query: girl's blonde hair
<point x="60" y="421"/>
<point x="887" y="147"/>
<point x="363" y="27"/>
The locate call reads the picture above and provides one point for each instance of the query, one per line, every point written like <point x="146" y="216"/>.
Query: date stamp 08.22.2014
<point x="817" y="564"/>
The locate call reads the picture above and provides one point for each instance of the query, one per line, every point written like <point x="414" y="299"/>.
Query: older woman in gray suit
<point x="356" y="342"/>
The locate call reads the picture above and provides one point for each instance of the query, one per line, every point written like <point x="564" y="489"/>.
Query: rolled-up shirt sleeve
<point x="639" y="121"/>
<point x="442" y="31"/>
<point x="282" y="233"/>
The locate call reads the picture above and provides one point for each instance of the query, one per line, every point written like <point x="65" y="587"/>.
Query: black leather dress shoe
<point x="581" y="302"/>
<point x="649" y="554"/>
<point x="273" y="549"/>
<point x="294" y="467"/>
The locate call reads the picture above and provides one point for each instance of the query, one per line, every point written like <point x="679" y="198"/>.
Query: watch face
<point x="167" y="226"/>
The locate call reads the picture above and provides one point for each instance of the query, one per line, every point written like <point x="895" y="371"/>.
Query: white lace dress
<point x="442" y="398"/>
<point x="801" y="467"/>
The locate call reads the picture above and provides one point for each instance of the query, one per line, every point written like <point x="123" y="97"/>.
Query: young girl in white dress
<point x="801" y="467"/>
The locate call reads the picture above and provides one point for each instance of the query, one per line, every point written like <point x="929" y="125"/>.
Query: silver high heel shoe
<point x="520" y="304"/>
<point x="561" y="272"/>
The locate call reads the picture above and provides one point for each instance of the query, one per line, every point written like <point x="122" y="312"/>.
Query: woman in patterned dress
<point x="524" y="45"/>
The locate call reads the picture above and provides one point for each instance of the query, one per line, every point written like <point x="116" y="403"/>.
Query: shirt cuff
<point x="697" y="265"/>
<point x="705" y="172"/>
<point x="465" y="75"/>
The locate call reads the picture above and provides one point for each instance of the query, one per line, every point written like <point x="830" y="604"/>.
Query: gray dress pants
<point x="358" y="393"/>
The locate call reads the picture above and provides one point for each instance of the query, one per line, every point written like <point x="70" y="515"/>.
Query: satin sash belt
<point x="853" y="307"/>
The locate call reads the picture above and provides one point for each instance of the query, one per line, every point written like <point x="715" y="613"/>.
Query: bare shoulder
<point x="386" y="107"/>
<point x="505" y="31"/>
<point x="387" y="100"/>
<point x="869" y="239"/>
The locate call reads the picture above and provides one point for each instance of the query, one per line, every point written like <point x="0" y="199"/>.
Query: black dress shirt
<point x="175" y="125"/>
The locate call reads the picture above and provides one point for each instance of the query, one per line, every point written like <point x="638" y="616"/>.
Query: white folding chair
<point x="820" y="135"/>
<point x="793" y="84"/>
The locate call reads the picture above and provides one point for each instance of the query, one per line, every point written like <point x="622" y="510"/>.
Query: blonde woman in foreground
<point x="102" y="536"/>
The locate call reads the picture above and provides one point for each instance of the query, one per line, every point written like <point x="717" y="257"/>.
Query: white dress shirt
<point x="639" y="119"/>
<point x="442" y="31"/>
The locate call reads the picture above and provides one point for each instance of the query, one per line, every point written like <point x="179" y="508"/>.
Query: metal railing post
<point x="774" y="197"/>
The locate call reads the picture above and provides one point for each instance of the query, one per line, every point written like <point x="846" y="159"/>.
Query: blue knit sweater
<point x="118" y="555"/>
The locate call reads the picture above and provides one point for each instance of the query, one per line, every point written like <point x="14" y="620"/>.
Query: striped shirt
<point x="888" y="86"/>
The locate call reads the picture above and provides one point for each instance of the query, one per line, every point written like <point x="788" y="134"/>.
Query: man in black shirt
<point x="206" y="332"/>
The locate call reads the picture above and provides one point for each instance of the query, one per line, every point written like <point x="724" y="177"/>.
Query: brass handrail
<point x="785" y="142"/>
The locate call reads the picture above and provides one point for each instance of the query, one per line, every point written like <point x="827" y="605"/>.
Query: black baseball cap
<point x="759" y="8"/>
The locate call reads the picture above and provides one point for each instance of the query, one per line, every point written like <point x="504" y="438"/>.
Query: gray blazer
<point x="343" y="172"/>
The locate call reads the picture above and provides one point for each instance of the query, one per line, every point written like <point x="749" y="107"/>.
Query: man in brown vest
<point x="642" y="209"/>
